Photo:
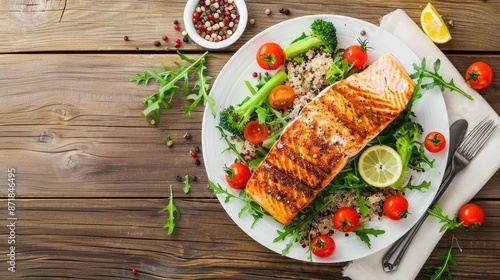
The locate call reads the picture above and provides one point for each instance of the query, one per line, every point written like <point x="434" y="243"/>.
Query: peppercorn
<point x="187" y="135"/>
<point x="285" y="11"/>
<point x="176" y="22"/>
<point x="197" y="149"/>
<point x="134" y="271"/>
<point x="157" y="43"/>
<point x="179" y="178"/>
<point x="185" y="39"/>
<point x="252" y="21"/>
<point x="197" y="162"/>
<point x="255" y="75"/>
<point x="177" y="27"/>
<point x="363" y="33"/>
<point x="125" y="38"/>
<point x="267" y="11"/>
<point x="193" y="153"/>
<point x="170" y="143"/>
<point x="164" y="38"/>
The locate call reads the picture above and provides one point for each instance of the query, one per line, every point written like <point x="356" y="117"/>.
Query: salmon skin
<point x="329" y="130"/>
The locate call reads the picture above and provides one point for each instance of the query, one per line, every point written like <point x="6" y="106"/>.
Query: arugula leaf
<point x="172" y="210"/>
<point x="363" y="233"/>
<point x="168" y="80"/>
<point x="444" y="268"/>
<point x="231" y="146"/>
<point x="437" y="212"/>
<point x="187" y="184"/>
<point x="251" y="206"/>
<point x="437" y="80"/>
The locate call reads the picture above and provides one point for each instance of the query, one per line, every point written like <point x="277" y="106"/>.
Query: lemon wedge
<point x="380" y="166"/>
<point x="433" y="25"/>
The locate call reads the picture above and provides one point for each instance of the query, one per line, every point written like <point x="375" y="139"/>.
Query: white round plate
<point x="229" y="89"/>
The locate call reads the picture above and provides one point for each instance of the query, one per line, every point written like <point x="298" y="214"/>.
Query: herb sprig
<point x="437" y="80"/>
<point x="437" y="272"/>
<point x="169" y="84"/>
<point x="172" y="211"/>
<point x="449" y="223"/>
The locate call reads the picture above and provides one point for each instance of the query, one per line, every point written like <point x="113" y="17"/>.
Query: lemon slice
<point x="433" y="25"/>
<point x="380" y="166"/>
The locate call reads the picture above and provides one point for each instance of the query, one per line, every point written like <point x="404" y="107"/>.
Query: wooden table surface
<point x="91" y="175"/>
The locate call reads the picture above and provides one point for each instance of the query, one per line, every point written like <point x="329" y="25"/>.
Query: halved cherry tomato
<point x="237" y="175"/>
<point x="281" y="97"/>
<point x="270" y="56"/>
<point x="255" y="132"/>
<point x="322" y="246"/>
<point x="357" y="55"/>
<point x="471" y="215"/>
<point x="479" y="75"/>
<point x="346" y="219"/>
<point x="396" y="207"/>
<point x="434" y="142"/>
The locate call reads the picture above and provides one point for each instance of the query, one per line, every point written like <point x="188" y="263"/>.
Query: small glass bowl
<point x="189" y="10"/>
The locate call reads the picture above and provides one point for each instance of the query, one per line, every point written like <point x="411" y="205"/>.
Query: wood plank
<point x="33" y="26"/>
<point x="95" y="237"/>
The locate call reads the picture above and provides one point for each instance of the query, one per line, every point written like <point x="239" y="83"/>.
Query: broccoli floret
<point x="406" y="136"/>
<point x="234" y="119"/>
<point x="323" y="36"/>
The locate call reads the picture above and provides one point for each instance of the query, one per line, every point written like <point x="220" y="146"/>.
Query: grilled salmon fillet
<point x="329" y="130"/>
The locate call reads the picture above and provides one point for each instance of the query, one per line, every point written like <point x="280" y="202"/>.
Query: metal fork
<point x="469" y="148"/>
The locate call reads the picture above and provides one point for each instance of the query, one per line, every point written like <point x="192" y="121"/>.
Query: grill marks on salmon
<point x="329" y="130"/>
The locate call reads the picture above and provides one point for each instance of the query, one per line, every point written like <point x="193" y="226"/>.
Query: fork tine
<point x="477" y="138"/>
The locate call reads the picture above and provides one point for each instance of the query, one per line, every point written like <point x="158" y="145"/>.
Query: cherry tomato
<point x="479" y="75"/>
<point x="396" y="207"/>
<point x="270" y="56"/>
<point x="357" y="55"/>
<point x="434" y="142"/>
<point x="346" y="219"/>
<point x="322" y="246"/>
<point x="281" y="97"/>
<point x="471" y="215"/>
<point x="237" y="175"/>
<point x="255" y="132"/>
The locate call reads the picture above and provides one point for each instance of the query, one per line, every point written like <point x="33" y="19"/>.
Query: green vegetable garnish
<point x="323" y="36"/>
<point x="168" y="80"/>
<point x="172" y="210"/>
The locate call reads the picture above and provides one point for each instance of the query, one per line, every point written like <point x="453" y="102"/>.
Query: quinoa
<point x="307" y="77"/>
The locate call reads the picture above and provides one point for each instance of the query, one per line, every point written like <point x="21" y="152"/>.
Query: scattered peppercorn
<point x="164" y="38"/>
<point x="254" y="74"/>
<point x="363" y="33"/>
<point x="170" y="143"/>
<point x="193" y="153"/>
<point x="176" y="22"/>
<point x="451" y="23"/>
<point x="179" y="178"/>
<point x="125" y="38"/>
<point x="177" y="27"/>
<point x="285" y="11"/>
<point x="157" y="43"/>
<point x="187" y="135"/>
<point x="134" y="271"/>
<point x="267" y="11"/>
<point x="197" y="162"/>
<point x="197" y="149"/>
<point x="185" y="39"/>
<point x="252" y="21"/>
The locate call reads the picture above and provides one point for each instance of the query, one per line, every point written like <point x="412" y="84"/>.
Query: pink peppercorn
<point x="254" y="74"/>
<point x="196" y="15"/>
<point x="164" y="38"/>
<point x="177" y="27"/>
<point x="193" y="153"/>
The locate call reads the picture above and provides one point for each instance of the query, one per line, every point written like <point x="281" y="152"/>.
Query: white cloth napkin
<point x="465" y="186"/>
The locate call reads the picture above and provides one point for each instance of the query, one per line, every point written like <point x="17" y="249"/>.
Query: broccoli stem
<point x="302" y="46"/>
<point x="247" y="108"/>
